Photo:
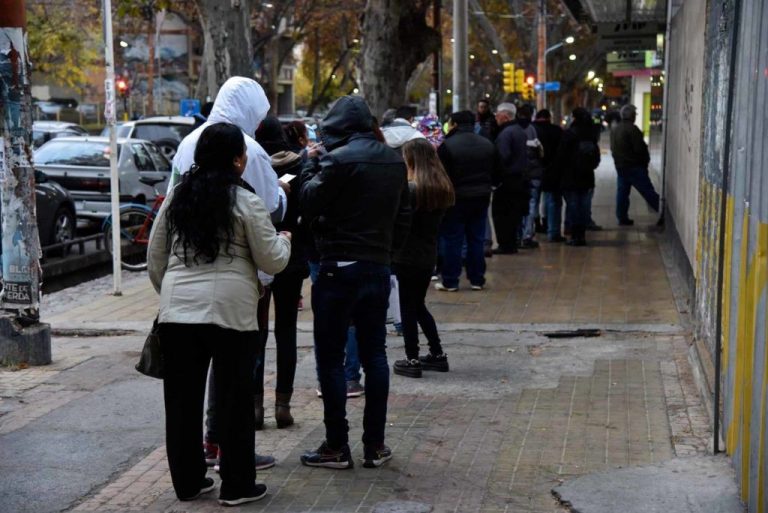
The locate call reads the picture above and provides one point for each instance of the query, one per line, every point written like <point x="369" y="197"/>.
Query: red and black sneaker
<point x="327" y="457"/>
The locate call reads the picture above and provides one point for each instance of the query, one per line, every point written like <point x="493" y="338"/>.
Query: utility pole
<point x="541" y="96"/>
<point x="437" y="7"/>
<point x="460" y="56"/>
<point x="110" y="117"/>
<point x="22" y="338"/>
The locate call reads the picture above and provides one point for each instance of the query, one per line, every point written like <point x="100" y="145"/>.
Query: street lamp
<point x="590" y="75"/>
<point x="572" y="57"/>
<point x="570" y="39"/>
<point x="543" y="60"/>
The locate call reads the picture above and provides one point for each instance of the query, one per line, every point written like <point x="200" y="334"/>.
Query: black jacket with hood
<point x="355" y="197"/>
<point x="577" y="174"/>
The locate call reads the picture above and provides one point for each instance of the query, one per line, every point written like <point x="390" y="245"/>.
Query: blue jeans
<point x="638" y="178"/>
<point x="352" y="362"/>
<point x="355" y="294"/>
<point x="554" y="205"/>
<point x="465" y="220"/>
<point x="529" y="221"/>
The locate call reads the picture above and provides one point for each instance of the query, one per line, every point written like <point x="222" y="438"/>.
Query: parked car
<point x="81" y="165"/>
<point x="44" y="131"/>
<point x="165" y="131"/>
<point x="56" y="217"/>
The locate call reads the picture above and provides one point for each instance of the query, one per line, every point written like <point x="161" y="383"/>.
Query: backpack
<point x="587" y="155"/>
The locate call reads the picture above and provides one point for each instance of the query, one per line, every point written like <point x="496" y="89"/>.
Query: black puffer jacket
<point x="470" y="161"/>
<point x="549" y="135"/>
<point x="290" y="163"/>
<point x="356" y="196"/>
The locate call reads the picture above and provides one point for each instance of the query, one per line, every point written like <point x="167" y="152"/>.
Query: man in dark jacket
<point x="485" y="123"/>
<point x="578" y="156"/>
<point x="510" y="199"/>
<point x="630" y="154"/>
<point x="470" y="160"/>
<point x="550" y="135"/>
<point x="355" y="198"/>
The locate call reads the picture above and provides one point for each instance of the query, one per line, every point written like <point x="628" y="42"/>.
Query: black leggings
<point x="286" y="288"/>
<point x="413" y="283"/>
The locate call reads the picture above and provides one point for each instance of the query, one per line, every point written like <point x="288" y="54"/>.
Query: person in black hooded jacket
<point x="577" y="157"/>
<point x="356" y="200"/>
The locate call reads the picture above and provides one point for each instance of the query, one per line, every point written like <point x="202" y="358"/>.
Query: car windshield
<point x="74" y="153"/>
<point x="158" y="132"/>
<point x="38" y="138"/>
<point x="122" y="130"/>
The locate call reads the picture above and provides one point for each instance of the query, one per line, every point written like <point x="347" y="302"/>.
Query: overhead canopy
<point x="618" y="11"/>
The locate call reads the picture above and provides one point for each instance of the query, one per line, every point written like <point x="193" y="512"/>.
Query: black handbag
<point x="151" y="360"/>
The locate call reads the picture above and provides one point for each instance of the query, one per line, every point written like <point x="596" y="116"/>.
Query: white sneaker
<point x="478" y="287"/>
<point x="440" y="286"/>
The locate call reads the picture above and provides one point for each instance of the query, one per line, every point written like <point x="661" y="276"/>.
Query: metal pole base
<point x="29" y="345"/>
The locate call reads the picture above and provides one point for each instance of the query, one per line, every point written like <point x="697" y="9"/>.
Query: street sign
<point x="547" y="86"/>
<point x="628" y="36"/>
<point x="189" y="106"/>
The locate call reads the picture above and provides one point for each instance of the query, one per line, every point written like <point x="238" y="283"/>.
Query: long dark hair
<point x="434" y="190"/>
<point x="200" y="213"/>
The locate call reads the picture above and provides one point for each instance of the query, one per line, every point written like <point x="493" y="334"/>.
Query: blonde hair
<point x="434" y="190"/>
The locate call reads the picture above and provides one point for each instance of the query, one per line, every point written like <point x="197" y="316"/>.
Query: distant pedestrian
<point x="470" y="161"/>
<point x="631" y="157"/>
<point x="401" y="130"/>
<point x="550" y="134"/>
<point x="210" y="238"/>
<point x="485" y="123"/>
<point x="532" y="176"/>
<point x="578" y="157"/>
<point x="355" y="198"/>
<point x="431" y="193"/>
<point x="511" y="198"/>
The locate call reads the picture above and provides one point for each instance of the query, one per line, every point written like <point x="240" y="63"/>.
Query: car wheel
<point x="167" y="147"/>
<point x="63" y="229"/>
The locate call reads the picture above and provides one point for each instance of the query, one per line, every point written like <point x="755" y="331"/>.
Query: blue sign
<point x="547" y="86"/>
<point x="189" y="107"/>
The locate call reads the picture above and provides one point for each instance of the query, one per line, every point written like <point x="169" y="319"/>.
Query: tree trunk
<point x="20" y="239"/>
<point x="396" y="39"/>
<point x="227" y="38"/>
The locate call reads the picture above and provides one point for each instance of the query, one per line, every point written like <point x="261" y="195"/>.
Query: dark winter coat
<point x="356" y="196"/>
<point x="628" y="146"/>
<point x="470" y="161"/>
<point x="578" y="171"/>
<point x="420" y="248"/>
<point x="513" y="152"/>
<point x="289" y="163"/>
<point x="550" y="136"/>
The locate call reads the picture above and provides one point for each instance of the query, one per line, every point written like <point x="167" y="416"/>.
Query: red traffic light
<point x="530" y="80"/>
<point x="122" y="86"/>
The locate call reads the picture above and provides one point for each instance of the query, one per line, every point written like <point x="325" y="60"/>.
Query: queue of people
<point x="371" y="214"/>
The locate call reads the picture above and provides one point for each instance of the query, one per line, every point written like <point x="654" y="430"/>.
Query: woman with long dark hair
<point x="211" y="237"/>
<point x="431" y="194"/>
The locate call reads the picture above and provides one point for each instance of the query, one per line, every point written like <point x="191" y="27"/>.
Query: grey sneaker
<point x="354" y="389"/>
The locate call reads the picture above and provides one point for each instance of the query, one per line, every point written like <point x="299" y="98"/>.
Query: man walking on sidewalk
<point x="356" y="201"/>
<point x="631" y="156"/>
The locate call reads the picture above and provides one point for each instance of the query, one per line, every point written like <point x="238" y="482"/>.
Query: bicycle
<point x="135" y="226"/>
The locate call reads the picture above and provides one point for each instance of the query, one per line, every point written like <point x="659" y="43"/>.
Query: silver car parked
<point x="81" y="165"/>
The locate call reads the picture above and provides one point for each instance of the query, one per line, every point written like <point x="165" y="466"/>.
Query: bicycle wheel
<point x="135" y="225"/>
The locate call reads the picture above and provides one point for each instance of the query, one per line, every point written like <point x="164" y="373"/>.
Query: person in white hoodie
<point x="400" y="130"/>
<point x="242" y="102"/>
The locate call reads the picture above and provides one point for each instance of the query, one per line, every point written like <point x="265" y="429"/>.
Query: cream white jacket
<point x="226" y="291"/>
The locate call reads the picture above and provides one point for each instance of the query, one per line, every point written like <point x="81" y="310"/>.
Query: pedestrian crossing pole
<point x="110" y="114"/>
<point x="541" y="96"/>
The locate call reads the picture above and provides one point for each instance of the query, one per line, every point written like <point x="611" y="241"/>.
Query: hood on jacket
<point x="400" y="132"/>
<point x="349" y="115"/>
<point x="242" y="102"/>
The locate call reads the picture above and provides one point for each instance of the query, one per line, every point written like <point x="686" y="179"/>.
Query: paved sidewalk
<point x="518" y="414"/>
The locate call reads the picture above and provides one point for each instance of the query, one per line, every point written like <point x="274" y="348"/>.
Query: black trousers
<point x="286" y="289"/>
<point x="507" y="211"/>
<point x="412" y="285"/>
<point x="187" y="351"/>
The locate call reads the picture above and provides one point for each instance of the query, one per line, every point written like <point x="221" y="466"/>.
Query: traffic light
<point x="509" y="77"/>
<point x="519" y="81"/>
<point x="529" y="93"/>
<point x="122" y="87"/>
